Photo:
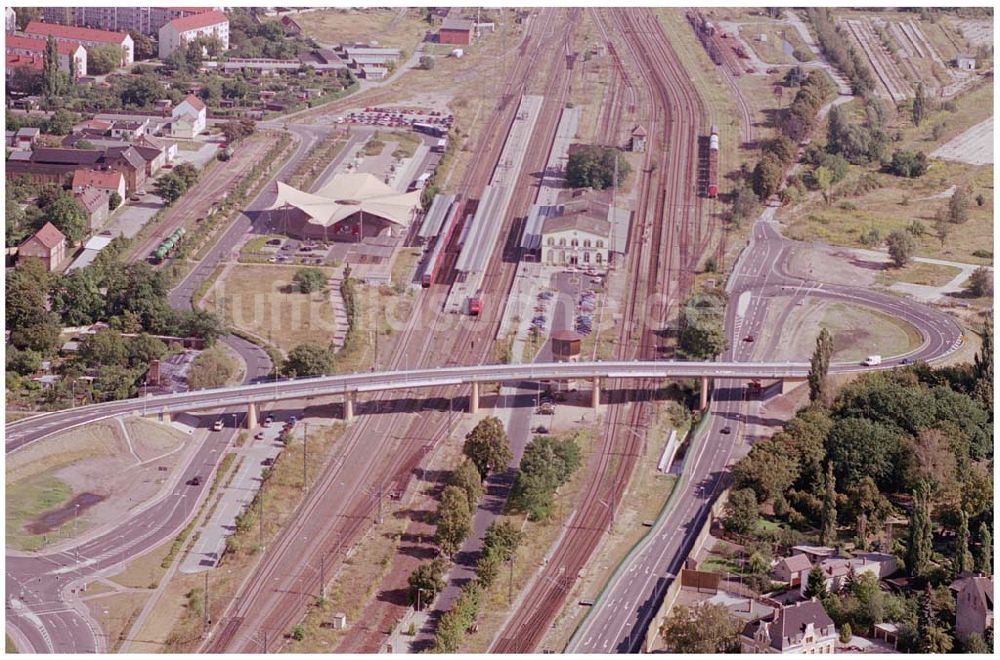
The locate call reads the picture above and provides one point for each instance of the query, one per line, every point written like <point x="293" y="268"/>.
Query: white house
<point x="11" y="22"/>
<point x="189" y="118"/>
<point x="188" y="28"/>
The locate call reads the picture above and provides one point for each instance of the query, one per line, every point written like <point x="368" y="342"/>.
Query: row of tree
<point x="835" y="44"/>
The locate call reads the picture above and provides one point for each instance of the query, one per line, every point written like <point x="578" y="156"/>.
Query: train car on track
<point x="168" y="246"/>
<point x="430" y="129"/>
<point x="476" y="304"/>
<point x="712" y="189"/>
<point x="432" y="265"/>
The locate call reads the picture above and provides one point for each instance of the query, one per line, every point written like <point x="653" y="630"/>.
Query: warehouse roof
<point x="436" y="215"/>
<point x="459" y="24"/>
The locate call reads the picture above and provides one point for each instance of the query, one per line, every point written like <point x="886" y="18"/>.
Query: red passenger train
<point x="436" y="256"/>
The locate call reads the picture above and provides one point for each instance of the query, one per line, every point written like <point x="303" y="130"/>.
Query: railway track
<point x="266" y="607"/>
<point x="660" y="250"/>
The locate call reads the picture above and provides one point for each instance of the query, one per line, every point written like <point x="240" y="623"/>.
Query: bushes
<point x="835" y="46"/>
<point x="456" y="621"/>
<point x="499" y="544"/>
<point x="908" y="164"/>
<point x="309" y="279"/>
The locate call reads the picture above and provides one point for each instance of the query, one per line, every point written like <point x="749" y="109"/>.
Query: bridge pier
<point x="704" y="393"/>
<point x="474" y="398"/>
<point x="595" y="394"/>
<point x="251" y="416"/>
<point x="789" y="384"/>
<point x="349" y="400"/>
<point x="166" y="417"/>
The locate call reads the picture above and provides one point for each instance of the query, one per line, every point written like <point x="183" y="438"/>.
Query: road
<point x="619" y="619"/>
<point x="43" y="605"/>
<point x="43" y="590"/>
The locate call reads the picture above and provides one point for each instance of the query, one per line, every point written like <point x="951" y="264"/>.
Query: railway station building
<point x="349" y="208"/>
<point x="582" y="230"/>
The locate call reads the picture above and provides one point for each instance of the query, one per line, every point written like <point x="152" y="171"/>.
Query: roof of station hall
<point x="348" y="194"/>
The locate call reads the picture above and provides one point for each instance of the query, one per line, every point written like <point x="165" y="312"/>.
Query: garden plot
<point x="974" y="146"/>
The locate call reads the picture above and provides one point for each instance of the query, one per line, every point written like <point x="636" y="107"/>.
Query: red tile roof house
<point x="189" y="117"/>
<point x="48" y="244"/>
<point x="130" y="163"/>
<point x="788" y="569"/>
<point x="189" y="28"/>
<point x="108" y="180"/>
<point x="973" y="604"/>
<point x="89" y="37"/>
<point x="95" y="202"/>
<point x="71" y="53"/>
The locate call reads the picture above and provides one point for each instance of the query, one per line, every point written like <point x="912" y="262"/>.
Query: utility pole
<point x="510" y="581"/>
<point x="205" y="617"/>
<point x="305" y="452"/>
<point x="322" y="576"/>
<point x="260" y="518"/>
<point x="265" y="641"/>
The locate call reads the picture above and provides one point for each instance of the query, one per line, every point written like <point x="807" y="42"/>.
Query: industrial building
<point x="457" y="32"/>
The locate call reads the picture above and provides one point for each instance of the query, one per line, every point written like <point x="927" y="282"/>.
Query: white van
<point x="872" y="360"/>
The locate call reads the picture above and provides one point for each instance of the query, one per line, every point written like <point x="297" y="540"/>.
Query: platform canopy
<point x="348" y="194"/>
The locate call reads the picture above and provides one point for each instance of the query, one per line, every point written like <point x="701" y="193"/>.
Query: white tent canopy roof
<point x="348" y="194"/>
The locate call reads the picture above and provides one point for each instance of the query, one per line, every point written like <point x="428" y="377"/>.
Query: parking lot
<point x="397" y="118"/>
<point x="280" y="250"/>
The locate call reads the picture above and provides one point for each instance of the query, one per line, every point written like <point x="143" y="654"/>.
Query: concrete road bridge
<point x="349" y="386"/>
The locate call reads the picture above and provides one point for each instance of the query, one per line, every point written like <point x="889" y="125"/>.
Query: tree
<point x="309" y="359"/>
<point x="933" y="461"/>
<point x="298" y="632"/>
<point x="982" y="367"/>
<point x="547" y="464"/>
<point x="24" y="362"/>
<point x="114" y="200"/>
<point x="963" y="558"/>
<point x="309" y="279"/>
<point x="211" y="368"/>
<point x="170" y="187"/>
<point x="931" y="638"/>
<point x="53" y="79"/>
<point x="828" y="530"/>
<point x="488" y="447"/>
<point x="143" y="47"/>
<point x="901" y="246"/>
<point x="143" y="349"/>
<point x="707" y="628"/>
<point x="27" y="289"/>
<point x="426" y="62"/>
<point x="958" y="206"/>
<point x="741" y="512"/>
<point x="919" y="102"/>
<point x="703" y="334"/>
<point x="114" y="383"/>
<point x="466" y="477"/>
<point x="768" y="469"/>
<point x="823" y="177"/>
<point x="61" y="123"/>
<point x="846" y="633"/>
<point x="454" y="520"/>
<point x="908" y="164"/>
<point x="68" y="216"/>
<point x="188" y="173"/>
<point x="767" y="176"/>
<point x="745" y="204"/>
<point x="859" y="448"/>
<point x="815" y="583"/>
<point x="980" y="283"/>
<point x="984" y="558"/>
<point x="104" y="348"/>
<point x="918" y="541"/>
<point x="426" y="582"/>
<point x="235" y="130"/>
<point x="819" y="365"/>
<point x="103" y="59"/>
<point x="593" y="166"/>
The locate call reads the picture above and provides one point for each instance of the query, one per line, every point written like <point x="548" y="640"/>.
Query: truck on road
<point x="872" y="360"/>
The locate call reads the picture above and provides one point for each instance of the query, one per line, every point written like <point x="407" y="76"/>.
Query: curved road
<point x="622" y="614"/>
<point x="44" y="613"/>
